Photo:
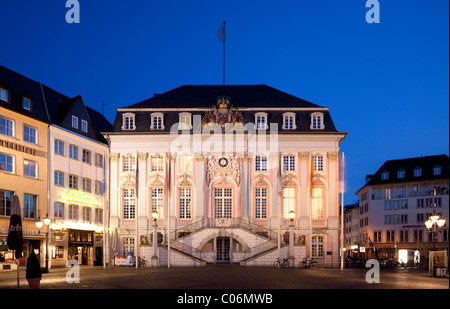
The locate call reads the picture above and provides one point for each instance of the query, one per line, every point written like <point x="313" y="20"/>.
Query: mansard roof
<point x="246" y="99"/>
<point x="425" y="163"/>
<point x="50" y="106"/>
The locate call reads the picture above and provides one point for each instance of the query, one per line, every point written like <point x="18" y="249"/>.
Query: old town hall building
<point x="226" y="171"/>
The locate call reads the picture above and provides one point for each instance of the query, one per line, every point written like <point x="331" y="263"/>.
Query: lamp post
<point x="291" y="238"/>
<point x="155" y="239"/>
<point x="434" y="225"/>
<point x="48" y="222"/>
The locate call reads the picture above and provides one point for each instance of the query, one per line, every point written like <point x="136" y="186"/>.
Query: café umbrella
<point x="15" y="235"/>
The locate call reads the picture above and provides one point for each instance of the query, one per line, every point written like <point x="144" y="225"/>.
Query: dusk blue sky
<point x="386" y="84"/>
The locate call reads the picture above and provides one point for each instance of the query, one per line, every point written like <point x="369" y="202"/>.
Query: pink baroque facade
<point x="236" y="174"/>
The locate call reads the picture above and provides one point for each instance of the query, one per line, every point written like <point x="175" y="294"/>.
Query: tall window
<point x="98" y="187"/>
<point x="5" y="202"/>
<point x="289" y="121"/>
<point x="73" y="152"/>
<point x="6" y="127"/>
<point x="86" y="184"/>
<point x="289" y="163"/>
<point x="129" y="203"/>
<point x="98" y="160"/>
<point x="437" y="170"/>
<point x="288" y="201"/>
<point x="87" y="214"/>
<point x="317" y="203"/>
<point x="84" y="126"/>
<point x="59" y="210"/>
<point x="401" y="174"/>
<point x="223" y="202"/>
<point x="318" y="163"/>
<point x="6" y="163"/>
<point x="261" y="121"/>
<point x="185" y="121"/>
<point x="59" y="147"/>
<point x="86" y="156"/>
<point x="261" y="163"/>
<point x="30" y="168"/>
<point x="98" y="215"/>
<point x="128" y="122"/>
<point x="29" y="206"/>
<point x="157" y="121"/>
<point x="158" y="200"/>
<point x="128" y="164"/>
<point x="261" y="203"/>
<point x="73" y="182"/>
<point x="185" y="164"/>
<point x="317" y="246"/>
<point x="74" y="122"/>
<point x="73" y="212"/>
<point x="29" y="134"/>
<point x="157" y="164"/>
<point x="417" y="172"/>
<point x="185" y="203"/>
<point x="317" y="121"/>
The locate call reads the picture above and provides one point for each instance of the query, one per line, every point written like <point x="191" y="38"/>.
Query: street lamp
<point x="434" y="225"/>
<point x="155" y="238"/>
<point x="291" y="238"/>
<point x="50" y="226"/>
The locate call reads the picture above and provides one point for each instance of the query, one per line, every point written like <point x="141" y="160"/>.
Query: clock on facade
<point x="223" y="162"/>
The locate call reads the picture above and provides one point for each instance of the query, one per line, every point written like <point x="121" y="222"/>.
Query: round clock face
<point x="223" y="162"/>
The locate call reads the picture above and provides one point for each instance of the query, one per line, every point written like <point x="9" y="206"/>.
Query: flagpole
<point x="342" y="211"/>
<point x="136" y="208"/>
<point x="223" y="38"/>
<point x="169" y="178"/>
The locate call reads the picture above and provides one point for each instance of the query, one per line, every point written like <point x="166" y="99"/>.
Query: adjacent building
<point x="224" y="168"/>
<point x="395" y="202"/>
<point x="52" y="156"/>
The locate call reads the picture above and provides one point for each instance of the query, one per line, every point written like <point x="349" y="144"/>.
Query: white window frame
<point x="84" y="125"/>
<point x="319" y="163"/>
<point x="30" y="135"/>
<point x="417" y="172"/>
<point x="437" y="170"/>
<point x="73" y="181"/>
<point x="8" y="128"/>
<point x="261" y="202"/>
<point x="185" y="203"/>
<point x="401" y="173"/>
<point x="288" y="201"/>
<point x="13" y="159"/>
<point x="86" y="184"/>
<point x="30" y="212"/>
<point x="57" y="149"/>
<point x="129" y="163"/>
<point x="156" y="163"/>
<point x="74" y="122"/>
<point x="129" y="203"/>
<point x="289" y="163"/>
<point x="73" y="150"/>
<point x="128" y="121"/>
<point x="58" y="210"/>
<point x="317" y="203"/>
<point x="30" y="170"/>
<point x="261" y="163"/>
<point x="157" y="201"/>
<point x="155" y="116"/>
<point x="182" y="123"/>
<point x="384" y="175"/>
<point x="58" y="178"/>
<point x="286" y="116"/>
<point x="73" y="212"/>
<point x="261" y="125"/>
<point x="318" y="246"/>
<point x="315" y="117"/>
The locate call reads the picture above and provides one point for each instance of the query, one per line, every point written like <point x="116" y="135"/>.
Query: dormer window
<point x="385" y="175"/>
<point x="289" y="121"/>
<point x="26" y="103"/>
<point x="4" y="95"/>
<point x="157" y="121"/>
<point x="84" y="126"/>
<point x="128" y="121"/>
<point x="437" y="170"/>
<point x="417" y="172"/>
<point x="74" y="122"/>
<point x="317" y="121"/>
<point x="185" y="121"/>
<point x="401" y="173"/>
<point x="261" y="121"/>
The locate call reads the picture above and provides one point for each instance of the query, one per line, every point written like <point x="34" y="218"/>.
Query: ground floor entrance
<point x="223" y="249"/>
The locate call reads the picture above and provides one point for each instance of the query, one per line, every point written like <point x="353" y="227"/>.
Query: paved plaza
<point x="226" y="277"/>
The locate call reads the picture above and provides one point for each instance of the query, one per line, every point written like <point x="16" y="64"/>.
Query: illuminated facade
<point x="396" y="201"/>
<point x="225" y="197"/>
<point x="52" y="156"/>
